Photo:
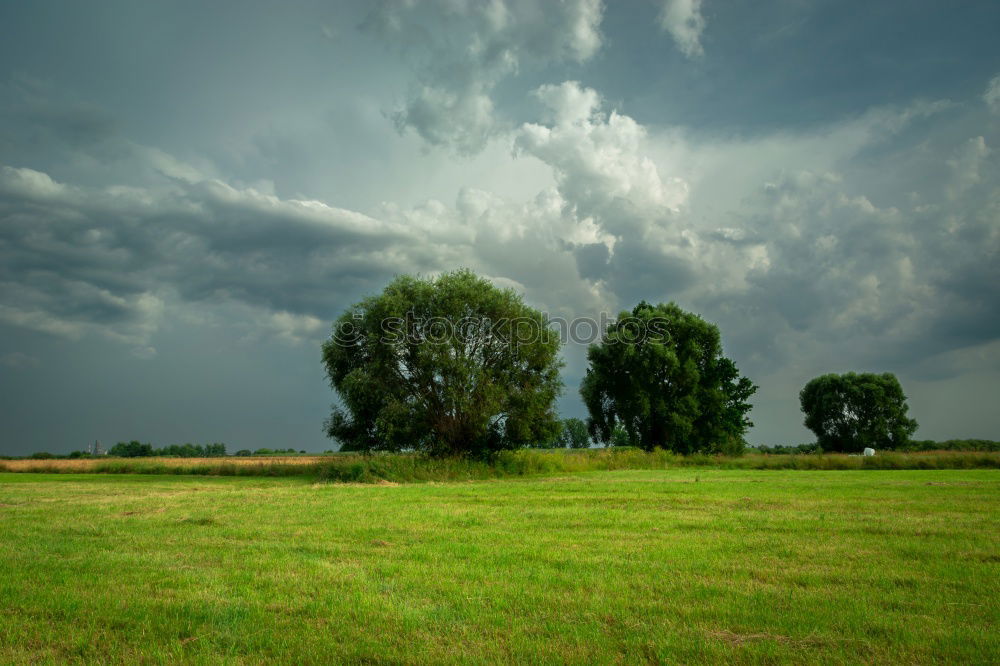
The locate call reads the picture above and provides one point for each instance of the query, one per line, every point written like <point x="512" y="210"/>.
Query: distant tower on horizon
<point x="95" y="449"/>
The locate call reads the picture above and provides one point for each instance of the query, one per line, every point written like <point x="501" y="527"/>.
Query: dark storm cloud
<point x="204" y="198"/>
<point x="639" y="270"/>
<point x="791" y="65"/>
<point x="81" y="255"/>
<point x="912" y="280"/>
<point x="592" y="260"/>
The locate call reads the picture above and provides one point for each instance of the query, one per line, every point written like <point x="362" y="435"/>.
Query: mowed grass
<point x="679" y="565"/>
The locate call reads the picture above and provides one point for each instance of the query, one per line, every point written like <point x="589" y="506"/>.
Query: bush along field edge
<point x="415" y="468"/>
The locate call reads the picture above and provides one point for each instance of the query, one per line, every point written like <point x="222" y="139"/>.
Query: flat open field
<point x="680" y="565"/>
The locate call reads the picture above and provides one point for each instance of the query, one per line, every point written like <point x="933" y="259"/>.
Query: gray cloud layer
<point x="807" y="252"/>
<point x="465" y="49"/>
<point x="869" y="242"/>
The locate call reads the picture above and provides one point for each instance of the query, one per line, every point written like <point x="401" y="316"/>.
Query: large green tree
<point x="856" y="410"/>
<point x="447" y="366"/>
<point x="659" y="375"/>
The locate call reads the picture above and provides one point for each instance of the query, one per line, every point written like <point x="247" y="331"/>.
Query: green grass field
<point x="678" y="565"/>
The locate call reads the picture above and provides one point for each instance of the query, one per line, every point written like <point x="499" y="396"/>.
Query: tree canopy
<point x="574" y="434"/>
<point x="856" y="410"/>
<point x="448" y="365"/>
<point x="658" y="378"/>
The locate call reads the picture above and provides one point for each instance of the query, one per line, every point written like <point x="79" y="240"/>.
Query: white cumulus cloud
<point x="598" y="160"/>
<point x="462" y="49"/>
<point x="683" y="20"/>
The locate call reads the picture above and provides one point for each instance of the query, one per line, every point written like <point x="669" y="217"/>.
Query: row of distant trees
<point x="453" y="365"/>
<point x="137" y="449"/>
<point x="914" y="445"/>
<point x="571" y="433"/>
<point x="267" y="452"/>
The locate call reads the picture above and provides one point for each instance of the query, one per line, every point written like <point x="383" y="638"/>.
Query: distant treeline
<point x="136" y="449"/>
<point x="785" y="449"/>
<point x="951" y="445"/>
<point x="986" y="445"/>
<point x="267" y="452"/>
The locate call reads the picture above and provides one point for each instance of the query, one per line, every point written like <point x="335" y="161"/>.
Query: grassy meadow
<point x="668" y="565"/>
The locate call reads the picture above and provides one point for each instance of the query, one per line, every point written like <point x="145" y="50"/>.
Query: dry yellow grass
<point x="86" y="464"/>
<point x="528" y="462"/>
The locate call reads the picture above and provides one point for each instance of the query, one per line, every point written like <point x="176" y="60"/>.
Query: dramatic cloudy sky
<point x="190" y="192"/>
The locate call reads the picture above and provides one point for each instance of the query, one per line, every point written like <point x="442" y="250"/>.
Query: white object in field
<point x="869" y="452"/>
